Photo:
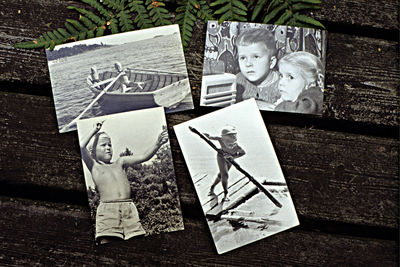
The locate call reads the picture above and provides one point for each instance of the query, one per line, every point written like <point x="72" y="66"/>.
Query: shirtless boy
<point x="117" y="215"/>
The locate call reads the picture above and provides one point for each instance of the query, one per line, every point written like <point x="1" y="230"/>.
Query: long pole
<point x="233" y="162"/>
<point x="91" y="104"/>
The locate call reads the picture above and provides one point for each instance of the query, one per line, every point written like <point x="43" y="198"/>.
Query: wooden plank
<point x="355" y="176"/>
<point x="60" y="234"/>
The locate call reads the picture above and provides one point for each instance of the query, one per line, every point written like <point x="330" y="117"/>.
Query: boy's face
<point x="291" y="83"/>
<point x="255" y="61"/>
<point x="229" y="138"/>
<point x="104" y="148"/>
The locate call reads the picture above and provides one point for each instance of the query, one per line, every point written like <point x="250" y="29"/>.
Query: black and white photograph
<point x="129" y="175"/>
<point x="282" y="67"/>
<point x="237" y="176"/>
<point x="119" y="73"/>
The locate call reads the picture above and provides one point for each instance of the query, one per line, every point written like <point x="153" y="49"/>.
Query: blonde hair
<point x="310" y="66"/>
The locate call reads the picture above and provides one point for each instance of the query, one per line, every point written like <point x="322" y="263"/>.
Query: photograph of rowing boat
<point x="237" y="176"/>
<point x="119" y="73"/>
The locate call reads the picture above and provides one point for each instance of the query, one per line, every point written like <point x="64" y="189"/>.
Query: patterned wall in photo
<point x="220" y="49"/>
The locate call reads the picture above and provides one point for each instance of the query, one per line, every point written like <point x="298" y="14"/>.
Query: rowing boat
<point x="146" y="88"/>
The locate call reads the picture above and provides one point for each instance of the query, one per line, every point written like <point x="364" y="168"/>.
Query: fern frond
<point x="203" y="10"/>
<point x="285" y="16"/>
<point x="159" y="15"/>
<point x="301" y="6"/>
<point x="77" y="25"/>
<point x="257" y="9"/>
<point x="90" y="15"/>
<point x="308" y="20"/>
<point x="116" y="5"/>
<point x="100" y="8"/>
<point x="274" y="13"/>
<point x="185" y="19"/>
<point x="125" y="21"/>
<point x="142" y="18"/>
<point x="230" y="10"/>
<point x="113" y="25"/>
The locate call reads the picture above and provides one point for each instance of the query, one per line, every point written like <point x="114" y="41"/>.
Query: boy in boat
<point x="123" y="79"/>
<point x="94" y="75"/>
<point x="229" y="150"/>
<point x="117" y="215"/>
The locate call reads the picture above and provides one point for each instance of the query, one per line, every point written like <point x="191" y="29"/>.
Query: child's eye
<point x="280" y="75"/>
<point x="291" y="77"/>
<point x="241" y="58"/>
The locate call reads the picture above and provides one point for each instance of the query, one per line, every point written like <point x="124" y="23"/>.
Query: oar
<point x="251" y="178"/>
<point x="91" y="104"/>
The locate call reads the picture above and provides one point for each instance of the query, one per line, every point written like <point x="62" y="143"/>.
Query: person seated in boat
<point x="94" y="75"/>
<point x="123" y="79"/>
<point x="229" y="150"/>
<point x="116" y="215"/>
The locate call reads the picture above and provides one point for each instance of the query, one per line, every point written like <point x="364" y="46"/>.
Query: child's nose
<point x="249" y="63"/>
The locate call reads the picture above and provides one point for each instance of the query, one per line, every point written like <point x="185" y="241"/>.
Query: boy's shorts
<point x="118" y="218"/>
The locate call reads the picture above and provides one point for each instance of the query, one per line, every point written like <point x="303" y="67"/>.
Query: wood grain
<point x="354" y="176"/>
<point x="59" y="234"/>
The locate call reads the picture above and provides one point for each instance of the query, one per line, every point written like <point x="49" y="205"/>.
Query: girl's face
<point x="291" y="83"/>
<point x="104" y="149"/>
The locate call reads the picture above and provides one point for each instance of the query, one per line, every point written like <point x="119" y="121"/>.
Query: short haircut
<point x="310" y="66"/>
<point x="257" y="35"/>
<point x="95" y="142"/>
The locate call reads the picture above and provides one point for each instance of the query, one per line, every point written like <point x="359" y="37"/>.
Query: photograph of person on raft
<point x="119" y="73"/>
<point x="282" y="67"/>
<point x="237" y="176"/>
<point x="129" y="175"/>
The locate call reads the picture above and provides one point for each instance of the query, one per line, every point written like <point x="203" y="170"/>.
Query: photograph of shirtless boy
<point x="117" y="216"/>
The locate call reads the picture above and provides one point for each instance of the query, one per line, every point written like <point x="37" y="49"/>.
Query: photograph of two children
<point x="282" y="67"/>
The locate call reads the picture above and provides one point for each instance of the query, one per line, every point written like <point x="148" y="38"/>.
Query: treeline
<point x="71" y="51"/>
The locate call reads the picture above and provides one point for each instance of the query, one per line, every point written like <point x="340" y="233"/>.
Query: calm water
<point x="68" y="76"/>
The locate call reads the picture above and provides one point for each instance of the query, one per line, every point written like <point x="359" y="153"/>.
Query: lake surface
<point x="68" y="75"/>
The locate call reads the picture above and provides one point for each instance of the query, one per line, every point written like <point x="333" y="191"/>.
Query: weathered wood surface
<point x="342" y="169"/>
<point x="61" y="233"/>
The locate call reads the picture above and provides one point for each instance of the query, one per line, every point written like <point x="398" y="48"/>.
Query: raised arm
<point x="86" y="155"/>
<point x="136" y="159"/>
<point x="216" y="138"/>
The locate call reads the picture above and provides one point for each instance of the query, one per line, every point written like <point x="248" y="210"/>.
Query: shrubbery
<point x="154" y="192"/>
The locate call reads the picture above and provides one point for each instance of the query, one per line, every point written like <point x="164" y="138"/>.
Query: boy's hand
<point x="99" y="125"/>
<point x="162" y="138"/>
<point x="206" y="135"/>
<point x="228" y="157"/>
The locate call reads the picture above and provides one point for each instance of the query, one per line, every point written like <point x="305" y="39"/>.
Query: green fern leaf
<point x="186" y="20"/>
<point x="113" y="25"/>
<point x="300" y="6"/>
<point x="58" y="35"/>
<point x="100" y="31"/>
<point x="71" y="29"/>
<point x="308" y="20"/>
<point x="64" y="33"/>
<point x="114" y="4"/>
<point x="159" y="15"/>
<point x="203" y="11"/>
<point x="125" y="21"/>
<point x="285" y="16"/>
<point x="274" y="3"/>
<point x="100" y="8"/>
<point x="257" y="9"/>
<point x="231" y="10"/>
<point x="30" y="44"/>
<point x="274" y="13"/>
<point x="77" y="25"/>
<point x="307" y="1"/>
<point x="90" y="15"/>
<point x="87" y="22"/>
<point x="142" y="18"/>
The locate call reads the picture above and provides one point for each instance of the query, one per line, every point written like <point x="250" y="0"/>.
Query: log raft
<point x="341" y="169"/>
